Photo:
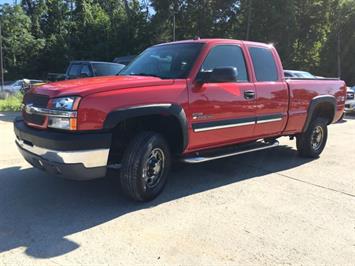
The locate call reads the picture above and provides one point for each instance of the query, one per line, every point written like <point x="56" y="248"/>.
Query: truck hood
<point x="86" y="86"/>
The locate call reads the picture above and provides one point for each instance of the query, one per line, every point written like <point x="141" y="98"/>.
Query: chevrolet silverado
<point x="193" y="101"/>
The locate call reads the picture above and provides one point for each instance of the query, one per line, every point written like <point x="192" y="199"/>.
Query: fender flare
<point x="315" y="102"/>
<point x="119" y="115"/>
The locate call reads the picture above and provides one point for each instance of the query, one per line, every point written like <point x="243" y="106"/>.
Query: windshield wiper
<point x="144" y="74"/>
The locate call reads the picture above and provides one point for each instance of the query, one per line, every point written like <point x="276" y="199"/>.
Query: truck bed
<point x="302" y="91"/>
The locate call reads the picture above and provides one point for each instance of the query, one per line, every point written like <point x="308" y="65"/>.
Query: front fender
<point x="119" y="115"/>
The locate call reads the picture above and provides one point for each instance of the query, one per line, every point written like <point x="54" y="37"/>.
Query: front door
<point x="222" y="113"/>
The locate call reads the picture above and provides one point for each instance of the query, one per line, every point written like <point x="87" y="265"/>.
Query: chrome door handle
<point x="249" y="95"/>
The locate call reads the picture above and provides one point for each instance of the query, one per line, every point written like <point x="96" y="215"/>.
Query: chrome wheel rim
<point x="154" y="168"/>
<point x="317" y="138"/>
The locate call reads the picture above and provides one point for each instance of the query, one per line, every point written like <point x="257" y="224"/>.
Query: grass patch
<point x="12" y="103"/>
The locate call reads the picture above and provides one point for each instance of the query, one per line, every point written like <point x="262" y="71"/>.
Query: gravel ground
<point x="269" y="207"/>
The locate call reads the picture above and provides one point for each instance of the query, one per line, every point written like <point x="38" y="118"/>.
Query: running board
<point x="259" y="146"/>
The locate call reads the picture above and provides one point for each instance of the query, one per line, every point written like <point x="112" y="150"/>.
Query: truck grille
<point x="350" y="96"/>
<point x="37" y="100"/>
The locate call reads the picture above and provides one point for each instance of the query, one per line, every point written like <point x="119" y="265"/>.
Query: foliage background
<point x="41" y="36"/>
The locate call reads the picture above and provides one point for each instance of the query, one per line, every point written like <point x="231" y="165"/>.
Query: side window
<point x="264" y="64"/>
<point x="74" y="70"/>
<point x="86" y="71"/>
<point x="226" y="56"/>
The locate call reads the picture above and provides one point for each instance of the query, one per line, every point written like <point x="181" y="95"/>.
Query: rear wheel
<point x="145" y="166"/>
<point x="312" y="142"/>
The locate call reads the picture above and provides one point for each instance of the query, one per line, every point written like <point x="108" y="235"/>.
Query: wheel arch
<point x="321" y="106"/>
<point x="174" y="112"/>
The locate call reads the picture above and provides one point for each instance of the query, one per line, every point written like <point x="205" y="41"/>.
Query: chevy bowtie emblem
<point x="28" y="108"/>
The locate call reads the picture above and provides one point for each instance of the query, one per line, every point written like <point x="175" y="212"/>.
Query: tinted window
<point x="85" y="71"/>
<point x="165" y="61"/>
<point x="264" y="64"/>
<point x="102" y="69"/>
<point x="74" y="70"/>
<point x="226" y="56"/>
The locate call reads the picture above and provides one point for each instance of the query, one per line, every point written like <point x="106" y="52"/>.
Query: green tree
<point x="20" y="46"/>
<point x="338" y="54"/>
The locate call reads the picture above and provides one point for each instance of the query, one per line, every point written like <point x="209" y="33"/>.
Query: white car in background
<point x="17" y="86"/>
<point x="298" y="74"/>
<point x="350" y="100"/>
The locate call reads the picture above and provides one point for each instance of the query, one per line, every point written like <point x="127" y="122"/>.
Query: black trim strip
<point x="204" y="126"/>
<point x="228" y="123"/>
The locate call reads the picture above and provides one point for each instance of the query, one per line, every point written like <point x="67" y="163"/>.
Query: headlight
<point x="67" y="115"/>
<point x="65" y="103"/>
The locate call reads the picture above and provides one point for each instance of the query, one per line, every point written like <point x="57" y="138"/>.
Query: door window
<point x="264" y="64"/>
<point x="226" y="56"/>
<point x="85" y="71"/>
<point x="74" y="70"/>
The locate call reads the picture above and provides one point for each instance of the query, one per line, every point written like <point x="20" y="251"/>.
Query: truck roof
<point x="217" y="40"/>
<point x="90" y="62"/>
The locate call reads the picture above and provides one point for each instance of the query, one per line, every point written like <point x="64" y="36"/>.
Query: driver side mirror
<point x="219" y="75"/>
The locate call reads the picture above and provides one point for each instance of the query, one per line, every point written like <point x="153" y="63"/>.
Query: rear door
<point x="222" y="113"/>
<point x="271" y="91"/>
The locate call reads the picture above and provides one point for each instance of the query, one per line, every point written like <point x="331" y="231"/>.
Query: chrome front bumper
<point x="78" y="156"/>
<point x="89" y="158"/>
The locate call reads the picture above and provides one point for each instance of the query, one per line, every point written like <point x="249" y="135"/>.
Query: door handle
<point x="249" y="95"/>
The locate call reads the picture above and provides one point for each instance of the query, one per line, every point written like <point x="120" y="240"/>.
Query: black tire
<point x="138" y="177"/>
<point x="311" y="143"/>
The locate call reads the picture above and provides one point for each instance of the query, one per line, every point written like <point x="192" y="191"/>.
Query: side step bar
<point x="256" y="147"/>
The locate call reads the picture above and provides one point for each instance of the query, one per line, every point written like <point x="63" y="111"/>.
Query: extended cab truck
<point x="194" y="100"/>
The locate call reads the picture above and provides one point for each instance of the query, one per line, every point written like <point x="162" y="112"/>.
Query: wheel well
<point x="167" y="125"/>
<point x="324" y="110"/>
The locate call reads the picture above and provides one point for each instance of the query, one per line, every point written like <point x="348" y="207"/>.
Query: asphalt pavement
<point x="268" y="207"/>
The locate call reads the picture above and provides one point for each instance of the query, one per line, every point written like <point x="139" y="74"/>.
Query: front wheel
<point x="312" y="142"/>
<point x="145" y="166"/>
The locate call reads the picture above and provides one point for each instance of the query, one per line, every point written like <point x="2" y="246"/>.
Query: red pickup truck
<point x="194" y="101"/>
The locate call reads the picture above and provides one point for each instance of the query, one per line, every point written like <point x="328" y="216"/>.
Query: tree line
<point x="41" y="36"/>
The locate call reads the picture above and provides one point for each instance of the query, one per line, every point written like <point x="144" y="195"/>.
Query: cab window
<point x="226" y="56"/>
<point x="74" y="70"/>
<point x="264" y="64"/>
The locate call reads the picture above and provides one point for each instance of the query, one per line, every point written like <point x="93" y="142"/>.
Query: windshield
<point x="169" y="61"/>
<point x="17" y="83"/>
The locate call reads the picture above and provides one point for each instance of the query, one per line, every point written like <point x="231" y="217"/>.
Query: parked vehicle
<point x="350" y="100"/>
<point x="195" y="101"/>
<point x="298" y="74"/>
<point x="86" y="69"/>
<point x="18" y="85"/>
